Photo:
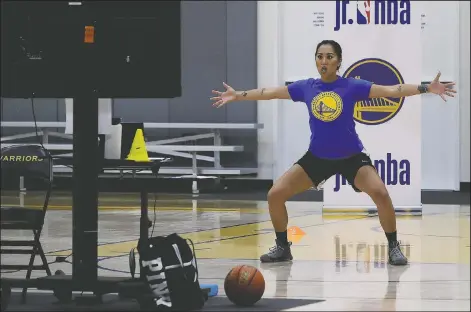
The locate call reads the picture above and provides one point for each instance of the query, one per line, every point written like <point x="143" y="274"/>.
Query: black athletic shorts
<point x="320" y="169"/>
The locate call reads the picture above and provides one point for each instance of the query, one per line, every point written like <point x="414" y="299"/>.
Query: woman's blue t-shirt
<point x="331" y="107"/>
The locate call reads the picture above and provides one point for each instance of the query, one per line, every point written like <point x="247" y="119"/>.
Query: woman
<point x="334" y="146"/>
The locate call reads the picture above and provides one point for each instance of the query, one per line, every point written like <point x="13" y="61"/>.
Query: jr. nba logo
<point x="391" y="12"/>
<point x="363" y="12"/>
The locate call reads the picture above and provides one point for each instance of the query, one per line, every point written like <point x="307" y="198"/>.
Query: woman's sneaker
<point x="279" y="252"/>
<point x="396" y="257"/>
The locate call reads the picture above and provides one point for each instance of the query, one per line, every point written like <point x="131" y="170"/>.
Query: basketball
<point x="244" y="285"/>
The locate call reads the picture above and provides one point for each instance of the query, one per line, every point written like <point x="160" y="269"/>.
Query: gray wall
<point x="219" y="43"/>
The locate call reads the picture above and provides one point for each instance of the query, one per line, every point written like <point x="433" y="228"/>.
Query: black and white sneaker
<point x="278" y="253"/>
<point x="396" y="257"/>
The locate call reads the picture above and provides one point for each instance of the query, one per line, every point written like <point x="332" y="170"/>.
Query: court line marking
<point x="342" y="219"/>
<point x="236" y="237"/>
<point x="352" y="218"/>
<point x="151" y="208"/>
<point x="184" y="233"/>
<point x="310" y="261"/>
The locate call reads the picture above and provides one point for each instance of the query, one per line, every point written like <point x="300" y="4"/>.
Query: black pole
<point x="85" y="189"/>
<point x="144" y="226"/>
<point x="85" y="172"/>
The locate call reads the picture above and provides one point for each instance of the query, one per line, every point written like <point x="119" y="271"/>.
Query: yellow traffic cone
<point x="138" y="150"/>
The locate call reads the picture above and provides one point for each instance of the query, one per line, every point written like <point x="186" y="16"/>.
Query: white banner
<point x="381" y="43"/>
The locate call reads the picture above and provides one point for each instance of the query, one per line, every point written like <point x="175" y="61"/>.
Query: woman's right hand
<point x="224" y="97"/>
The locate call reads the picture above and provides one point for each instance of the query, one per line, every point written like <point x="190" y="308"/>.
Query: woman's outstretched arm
<point x="230" y="95"/>
<point x="401" y="90"/>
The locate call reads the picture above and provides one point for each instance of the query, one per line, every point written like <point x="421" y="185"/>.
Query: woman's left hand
<point x="441" y="89"/>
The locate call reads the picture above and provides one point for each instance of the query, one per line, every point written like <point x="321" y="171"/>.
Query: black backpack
<point x="169" y="269"/>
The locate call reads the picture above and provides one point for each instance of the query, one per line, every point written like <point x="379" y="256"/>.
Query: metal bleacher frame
<point x="165" y="147"/>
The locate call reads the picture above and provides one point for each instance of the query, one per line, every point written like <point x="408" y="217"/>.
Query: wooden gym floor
<point x="339" y="260"/>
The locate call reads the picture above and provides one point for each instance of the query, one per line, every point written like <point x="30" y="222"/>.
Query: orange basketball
<point x="244" y="285"/>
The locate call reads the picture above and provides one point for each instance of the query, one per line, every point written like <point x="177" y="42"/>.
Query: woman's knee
<point x="367" y="180"/>
<point x="293" y="182"/>
<point x="379" y="193"/>
<point x="277" y="194"/>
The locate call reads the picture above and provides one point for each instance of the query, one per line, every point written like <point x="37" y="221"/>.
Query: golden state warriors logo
<point x="378" y="110"/>
<point x="326" y="106"/>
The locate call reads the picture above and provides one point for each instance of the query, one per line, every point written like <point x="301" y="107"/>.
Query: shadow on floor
<point x="47" y="302"/>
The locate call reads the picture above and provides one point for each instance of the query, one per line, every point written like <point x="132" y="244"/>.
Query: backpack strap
<point x="194" y="258"/>
<point x="132" y="262"/>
